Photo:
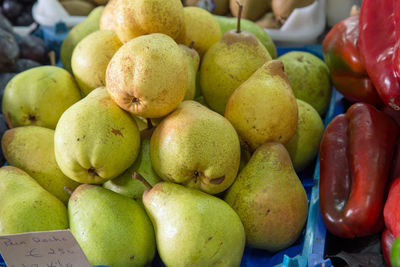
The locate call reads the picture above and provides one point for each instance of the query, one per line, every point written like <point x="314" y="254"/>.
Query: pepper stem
<point x="191" y="44"/>
<point x="239" y="16"/>
<point x="140" y="178"/>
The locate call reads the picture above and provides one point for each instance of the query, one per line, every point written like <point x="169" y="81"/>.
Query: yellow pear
<point x="304" y="144"/>
<point x="77" y="33"/>
<point x="264" y="109"/>
<point x="26" y="207"/>
<point x="31" y="148"/>
<point x="196" y="147"/>
<point x="39" y="96"/>
<point x="270" y="199"/>
<point x="193" y="61"/>
<point x="107" y="17"/>
<point x="227" y="64"/>
<point x="201" y="28"/>
<point x="91" y="57"/>
<point x="95" y="140"/>
<point x="148" y="76"/>
<point x="133" y="18"/>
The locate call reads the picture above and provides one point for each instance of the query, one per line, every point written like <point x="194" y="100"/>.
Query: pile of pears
<point x="161" y="136"/>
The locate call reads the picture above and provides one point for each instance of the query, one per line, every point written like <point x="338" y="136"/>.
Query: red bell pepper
<point x="348" y="73"/>
<point x="355" y="155"/>
<point x="379" y="44"/>
<point x="387" y="240"/>
<point x="391" y="212"/>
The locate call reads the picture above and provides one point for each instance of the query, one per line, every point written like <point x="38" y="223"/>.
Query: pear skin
<point x="112" y="229"/>
<point x="39" y="96"/>
<point x="95" y="140"/>
<point x="309" y="78"/>
<point x="229" y="63"/>
<point x="304" y="144"/>
<point x="201" y="28"/>
<point x="26" y="207"/>
<point x="148" y="76"/>
<point x="264" y="109"/>
<point x="269" y="199"/>
<point x="193" y="228"/>
<point x="77" y="33"/>
<point x="196" y="147"/>
<point x="91" y="57"/>
<point x="107" y="17"/>
<point x="31" y="148"/>
<point x="135" y="18"/>
<point x="193" y="62"/>
<point x="132" y="188"/>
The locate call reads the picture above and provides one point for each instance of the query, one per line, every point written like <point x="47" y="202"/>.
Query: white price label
<point x="42" y="249"/>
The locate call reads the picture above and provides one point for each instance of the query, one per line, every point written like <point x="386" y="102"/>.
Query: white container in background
<point x="303" y="26"/>
<point x="50" y="12"/>
<point x="337" y="10"/>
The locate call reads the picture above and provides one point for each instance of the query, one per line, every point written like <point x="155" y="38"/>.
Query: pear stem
<point x="52" y="56"/>
<point x="239" y="16"/>
<point x="140" y="178"/>
<point x="8" y="120"/>
<point x="149" y="124"/>
<point x="191" y="45"/>
<point x="68" y="190"/>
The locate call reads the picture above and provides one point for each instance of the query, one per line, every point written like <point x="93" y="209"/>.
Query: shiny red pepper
<point x="387" y="240"/>
<point x="379" y="44"/>
<point x="348" y="73"/>
<point x="391" y="212"/>
<point x="391" y="216"/>
<point x="355" y="156"/>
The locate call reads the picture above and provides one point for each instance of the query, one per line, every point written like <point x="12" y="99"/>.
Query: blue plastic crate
<point x="309" y="249"/>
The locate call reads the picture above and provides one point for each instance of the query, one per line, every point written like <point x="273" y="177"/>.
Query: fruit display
<point x="170" y="135"/>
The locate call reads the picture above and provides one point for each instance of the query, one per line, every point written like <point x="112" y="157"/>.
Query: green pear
<point x="77" y="33"/>
<point x="132" y="188"/>
<point x="201" y="28"/>
<point x="309" y="78"/>
<point x="196" y="147"/>
<point x="229" y="23"/>
<point x="95" y="140"/>
<point x="263" y="109"/>
<point x="39" y="96"/>
<point x="227" y="64"/>
<point x="31" y="148"/>
<point x="26" y="207"/>
<point x="269" y="199"/>
<point x="148" y="76"/>
<point x="304" y="144"/>
<point x="193" y="61"/>
<point x="111" y="229"/>
<point x="136" y="18"/>
<point x="194" y="228"/>
<point x="91" y="57"/>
